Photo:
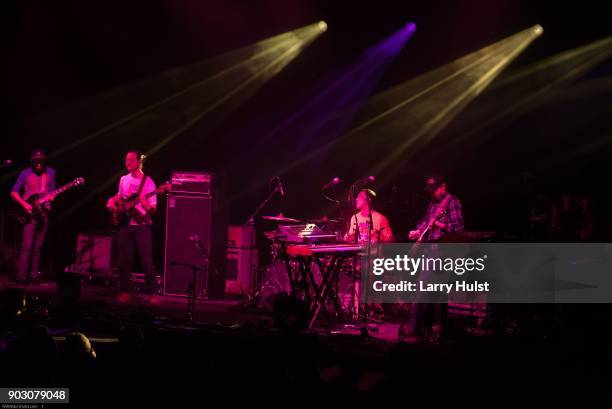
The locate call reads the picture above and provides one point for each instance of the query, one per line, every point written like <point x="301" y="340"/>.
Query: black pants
<point x="422" y="313"/>
<point x="33" y="235"/>
<point x="137" y="239"/>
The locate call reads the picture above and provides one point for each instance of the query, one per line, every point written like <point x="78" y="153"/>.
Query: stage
<point x="96" y="306"/>
<point x="283" y="202"/>
<point x="228" y="348"/>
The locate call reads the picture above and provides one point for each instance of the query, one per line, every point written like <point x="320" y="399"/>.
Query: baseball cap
<point x="433" y="182"/>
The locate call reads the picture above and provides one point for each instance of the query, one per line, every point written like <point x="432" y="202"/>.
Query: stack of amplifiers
<point x="195" y="210"/>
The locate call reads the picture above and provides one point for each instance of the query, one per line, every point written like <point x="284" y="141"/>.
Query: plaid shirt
<point x="453" y="219"/>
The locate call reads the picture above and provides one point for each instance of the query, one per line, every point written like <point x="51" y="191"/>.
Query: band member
<point x="134" y="234"/>
<point x="377" y="229"/>
<point x="367" y="225"/>
<point x="38" y="178"/>
<point x="443" y="217"/>
<point x="442" y="202"/>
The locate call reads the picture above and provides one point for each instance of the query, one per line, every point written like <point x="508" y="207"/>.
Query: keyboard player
<point x="367" y="223"/>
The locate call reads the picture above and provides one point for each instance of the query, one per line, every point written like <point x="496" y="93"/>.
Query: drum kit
<point x="311" y="261"/>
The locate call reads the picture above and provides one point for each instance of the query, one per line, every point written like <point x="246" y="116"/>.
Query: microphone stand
<point x="364" y="330"/>
<point x="356" y="241"/>
<point x="254" y="298"/>
<point x="191" y="289"/>
<point x="365" y="333"/>
<point x="324" y="194"/>
<point x="251" y="220"/>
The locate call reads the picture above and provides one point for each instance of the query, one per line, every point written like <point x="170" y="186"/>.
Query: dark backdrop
<point x="56" y="53"/>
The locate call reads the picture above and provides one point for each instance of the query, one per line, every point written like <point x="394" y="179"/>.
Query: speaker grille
<point x="186" y="216"/>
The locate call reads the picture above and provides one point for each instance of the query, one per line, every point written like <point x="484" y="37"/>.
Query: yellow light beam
<point x="423" y="99"/>
<point x="162" y="88"/>
<point x="511" y="48"/>
<point x="221" y="100"/>
<point x="268" y="71"/>
<point x="530" y="85"/>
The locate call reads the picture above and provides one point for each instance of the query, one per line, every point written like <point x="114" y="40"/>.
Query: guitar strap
<point x="43" y="183"/>
<point x="442" y="204"/>
<point x="439" y="208"/>
<point x="142" y="183"/>
<point x="141" y="187"/>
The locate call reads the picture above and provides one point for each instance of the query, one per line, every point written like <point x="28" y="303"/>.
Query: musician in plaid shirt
<point x="450" y="222"/>
<point x="422" y="311"/>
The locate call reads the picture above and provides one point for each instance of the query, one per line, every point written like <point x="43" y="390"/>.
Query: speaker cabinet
<point x="196" y="233"/>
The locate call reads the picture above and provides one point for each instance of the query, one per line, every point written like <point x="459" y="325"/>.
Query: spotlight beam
<point x="280" y="61"/>
<point x="353" y="87"/>
<point x="110" y="102"/>
<point x="257" y="78"/>
<point x="432" y="127"/>
<point x="529" y="100"/>
<point x="510" y="47"/>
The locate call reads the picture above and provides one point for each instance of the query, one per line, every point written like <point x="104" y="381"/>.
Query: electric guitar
<point x="40" y="202"/>
<point x="126" y="208"/>
<point x="438" y="214"/>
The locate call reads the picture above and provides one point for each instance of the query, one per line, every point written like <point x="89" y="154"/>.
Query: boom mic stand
<point x="253" y="299"/>
<point x="190" y="314"/>
<point x="191" y="288"/>
<point x="365" y="332"/>
<point x="352" y="196"/>
<point x="251" y="220"/>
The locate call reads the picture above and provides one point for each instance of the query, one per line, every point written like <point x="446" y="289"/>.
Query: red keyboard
<point x="309" y="250"/>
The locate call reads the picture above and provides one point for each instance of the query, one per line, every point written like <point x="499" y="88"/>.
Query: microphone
<point x="369" y="179"/>
<point x="195" y="239"/>
<point x="333" y="182"/>
<point x="280" y="186"/>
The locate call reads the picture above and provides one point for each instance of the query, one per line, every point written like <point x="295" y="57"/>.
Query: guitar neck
<point x="62" y="189"/>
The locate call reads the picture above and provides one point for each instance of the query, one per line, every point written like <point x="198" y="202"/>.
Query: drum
<point x="347" y="293"/>
<point x="275" y="282"/>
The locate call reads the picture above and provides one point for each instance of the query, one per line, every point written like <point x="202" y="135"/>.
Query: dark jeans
<point x="129" y="240"/>
<point x="32" y="238"/>
<point x="422" y="313"/>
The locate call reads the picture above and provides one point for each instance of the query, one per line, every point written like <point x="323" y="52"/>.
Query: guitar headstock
<point x="78" y="181"/>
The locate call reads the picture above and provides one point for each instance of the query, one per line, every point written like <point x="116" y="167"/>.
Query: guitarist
<point x="441" y="201"/>
<point x="134" y="233"/>
<point x="443" y="217"/>
<point x="37" y="179"/>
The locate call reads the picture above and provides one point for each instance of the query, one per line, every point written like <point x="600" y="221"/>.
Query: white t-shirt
<point x="129" y="185"/>
<point x="381" y="231"/>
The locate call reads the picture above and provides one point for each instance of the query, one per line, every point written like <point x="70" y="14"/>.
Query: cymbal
<point x="281" y="218"/>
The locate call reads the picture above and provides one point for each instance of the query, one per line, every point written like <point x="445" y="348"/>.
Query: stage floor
<point x="96" y="302"/>
<point x="241" y="346"/>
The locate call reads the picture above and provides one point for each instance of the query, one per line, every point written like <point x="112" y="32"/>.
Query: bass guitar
<point x="126" y="208"/>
